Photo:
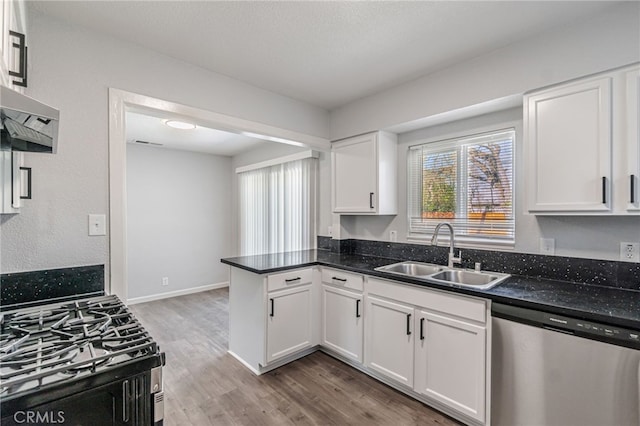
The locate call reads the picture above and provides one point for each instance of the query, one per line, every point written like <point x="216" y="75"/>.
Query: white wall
<point x="72" y="68"/>
<point x="607" y="41"/>
<point x="178" y="219"/>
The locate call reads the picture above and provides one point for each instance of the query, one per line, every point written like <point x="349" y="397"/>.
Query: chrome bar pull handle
<point x="125" y="401"/>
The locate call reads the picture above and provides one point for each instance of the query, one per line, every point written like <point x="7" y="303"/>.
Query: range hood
<point x="26" y="124"/>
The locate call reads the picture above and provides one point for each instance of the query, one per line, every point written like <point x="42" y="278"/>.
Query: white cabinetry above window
<point x="581" y="145"/>
<point x="364" y="174"/>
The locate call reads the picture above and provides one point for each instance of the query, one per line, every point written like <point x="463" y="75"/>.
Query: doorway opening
<point x="133" y="143"/>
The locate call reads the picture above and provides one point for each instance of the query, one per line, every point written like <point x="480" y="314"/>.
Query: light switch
<point x="97" y="224"/>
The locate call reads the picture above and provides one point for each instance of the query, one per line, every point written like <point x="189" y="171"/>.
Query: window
<point x="467" y="182"/>
<point x="277" y="207"/>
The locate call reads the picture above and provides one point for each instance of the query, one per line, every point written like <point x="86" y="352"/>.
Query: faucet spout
<point x="434" y="240"/>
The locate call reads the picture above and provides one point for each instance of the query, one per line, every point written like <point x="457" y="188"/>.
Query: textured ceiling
<point x="324" y="53"/>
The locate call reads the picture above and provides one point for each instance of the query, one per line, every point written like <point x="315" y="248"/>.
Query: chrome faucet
<point x="434" y="240"/>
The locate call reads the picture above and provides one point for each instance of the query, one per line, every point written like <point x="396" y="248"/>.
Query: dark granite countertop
<point x="610" y="305"/>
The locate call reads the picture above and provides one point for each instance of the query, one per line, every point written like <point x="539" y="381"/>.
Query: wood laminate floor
<point x="206" y="386"/>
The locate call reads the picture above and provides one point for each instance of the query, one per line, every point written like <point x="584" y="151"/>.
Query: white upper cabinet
<point x="568" y="131"/>
<point x="12" y="57"/>
<point x="632" y="178"/>
<point x="5" y="14"/>
<point x="580" y="152"/>
<point x="364" y="174"/>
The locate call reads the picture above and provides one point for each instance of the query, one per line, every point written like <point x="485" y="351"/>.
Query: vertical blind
<point x="278" y="207"/>
<point x="467" y="182"/>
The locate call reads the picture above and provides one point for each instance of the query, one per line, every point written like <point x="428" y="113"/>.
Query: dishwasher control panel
<point x="582" y="328"/>
<point x="591" y="329"/>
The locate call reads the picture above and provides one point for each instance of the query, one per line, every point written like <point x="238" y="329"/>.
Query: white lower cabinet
<point x="389" y="339"/>
<point x="450" y="362"/>
<point x="343" y="324"/>
<point x="432" y="342"/>
<point x="433" y="345"/>
<point x="342" y="328"/>
<point x="289" y="321"/>
<point x="273" y="319"/>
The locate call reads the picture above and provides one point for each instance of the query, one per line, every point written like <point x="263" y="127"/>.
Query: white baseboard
<point x="245" y="363"/>
<point x="144" y="299"/>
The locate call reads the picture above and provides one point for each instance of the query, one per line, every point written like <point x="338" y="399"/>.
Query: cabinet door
<point x="451" y="363"/>
<point x="354" y="163"/>
<point x="343" y="322"/>
<point x="633" y="139"/>
<point x="389" y="339"/>
<point x="568" y="147"/>
<point x="5" y="13"/>
<point x="289" y="318"/>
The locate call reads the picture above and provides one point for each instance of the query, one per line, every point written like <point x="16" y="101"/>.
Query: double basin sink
<point x="441" y="274"/>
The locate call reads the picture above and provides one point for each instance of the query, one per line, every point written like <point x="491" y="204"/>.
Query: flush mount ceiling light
<point x="182" y="125"/>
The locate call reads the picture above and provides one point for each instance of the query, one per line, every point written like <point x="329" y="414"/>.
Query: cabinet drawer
<point x="289" y="279"/>
<point x="343" y="279"/>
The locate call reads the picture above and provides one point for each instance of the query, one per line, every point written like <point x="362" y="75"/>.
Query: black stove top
<point x="55" y="344"/>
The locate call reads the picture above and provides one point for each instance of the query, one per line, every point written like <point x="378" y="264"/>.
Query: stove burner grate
<point x="49" y="345"/>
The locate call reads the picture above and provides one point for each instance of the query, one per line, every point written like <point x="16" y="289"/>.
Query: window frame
<point x="451" y="143"/>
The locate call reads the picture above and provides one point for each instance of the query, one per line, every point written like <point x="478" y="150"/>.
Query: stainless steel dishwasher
<point x="554" y="370"/>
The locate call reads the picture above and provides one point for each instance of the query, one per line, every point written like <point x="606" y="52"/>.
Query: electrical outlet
<point x="330" y="230"/>
<point x="547" y="245"/>
<point x="630" y="252"/>
<point x="165" y="280"/>
<point x="393" y="236"/>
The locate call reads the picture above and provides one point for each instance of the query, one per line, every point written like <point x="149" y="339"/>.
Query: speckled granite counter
<point x="610" y="305"/>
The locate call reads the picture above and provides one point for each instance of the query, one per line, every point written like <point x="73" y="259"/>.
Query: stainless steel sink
<point x="441" y="274"/>
<point x="482" y="280"/>
<point x="413" y="269"/>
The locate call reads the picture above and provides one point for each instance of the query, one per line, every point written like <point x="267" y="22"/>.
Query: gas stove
<point x="53" y="357"/>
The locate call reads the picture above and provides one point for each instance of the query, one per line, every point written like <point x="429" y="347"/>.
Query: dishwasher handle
<point x="517" y="314"/>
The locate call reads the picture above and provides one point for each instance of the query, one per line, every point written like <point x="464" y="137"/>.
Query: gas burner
<point x="88" y="357"/>
<point x="55" y="343"/>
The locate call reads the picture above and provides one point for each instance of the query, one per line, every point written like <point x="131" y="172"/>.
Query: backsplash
<point x="39" y="287"/>
<point x="589" y="271"/>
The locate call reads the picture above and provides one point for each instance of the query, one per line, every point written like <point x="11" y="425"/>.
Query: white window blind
<point x="467" y="182"/>
<point x="277" y="207"/>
